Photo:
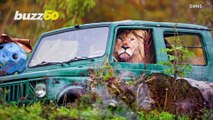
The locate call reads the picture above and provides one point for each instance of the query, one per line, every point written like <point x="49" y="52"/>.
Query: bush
<point x="39" y="111"/>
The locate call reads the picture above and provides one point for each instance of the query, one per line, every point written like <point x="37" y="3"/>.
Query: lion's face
<point x="129" y="47"/>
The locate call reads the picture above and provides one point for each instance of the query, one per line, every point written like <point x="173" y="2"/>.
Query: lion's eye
<point x="120" y="38"/>
<point x="132" y="39"/>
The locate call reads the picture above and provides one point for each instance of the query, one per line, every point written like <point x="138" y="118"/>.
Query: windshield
<point x="64" y="46"/>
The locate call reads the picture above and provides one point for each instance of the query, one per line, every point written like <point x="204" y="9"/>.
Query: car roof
<point x="135" y="23"/>
<point x="153" y="24"/>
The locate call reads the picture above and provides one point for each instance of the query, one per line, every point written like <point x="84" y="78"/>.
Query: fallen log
<point x="178" y="96"/>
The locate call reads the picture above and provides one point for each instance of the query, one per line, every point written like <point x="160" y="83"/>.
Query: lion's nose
<point x="125" y="47"/>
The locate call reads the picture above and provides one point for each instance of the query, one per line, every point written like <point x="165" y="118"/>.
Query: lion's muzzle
<point x="124" y="57"/>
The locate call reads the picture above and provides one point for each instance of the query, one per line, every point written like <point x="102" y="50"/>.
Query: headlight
<point x="41" y="90"/>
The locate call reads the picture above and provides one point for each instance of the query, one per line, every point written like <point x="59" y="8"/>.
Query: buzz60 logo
<point x="47" y="15"/>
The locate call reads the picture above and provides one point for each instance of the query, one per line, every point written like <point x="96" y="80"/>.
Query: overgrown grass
<point x="39" y="111"/>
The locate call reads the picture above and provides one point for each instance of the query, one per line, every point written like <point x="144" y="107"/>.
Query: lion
<point x="130" y="46"/>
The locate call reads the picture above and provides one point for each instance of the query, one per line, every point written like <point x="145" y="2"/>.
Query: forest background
<point x="72" y="12"/>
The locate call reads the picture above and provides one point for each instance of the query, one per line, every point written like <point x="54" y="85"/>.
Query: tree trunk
<point x="180" y="96"/>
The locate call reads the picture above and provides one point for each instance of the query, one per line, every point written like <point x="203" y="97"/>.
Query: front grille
<point x="15" y="92"/>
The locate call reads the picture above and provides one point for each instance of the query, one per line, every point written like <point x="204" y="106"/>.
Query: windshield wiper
<point x="47" y="63"/>
<point x="62" y="63"/>
<point x="78" y="59"/>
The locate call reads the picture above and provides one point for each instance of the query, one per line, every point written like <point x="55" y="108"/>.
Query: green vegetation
<point x="40" y="111"/>
<point x="175" y="64"/>
<point x="177" y="55"/>
<point x="174" y="67"/>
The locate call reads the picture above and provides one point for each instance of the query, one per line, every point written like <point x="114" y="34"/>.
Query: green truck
<point x="61" y="59"/>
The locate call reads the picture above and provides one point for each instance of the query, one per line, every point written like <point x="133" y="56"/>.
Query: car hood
<point x="69" y="70"/>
